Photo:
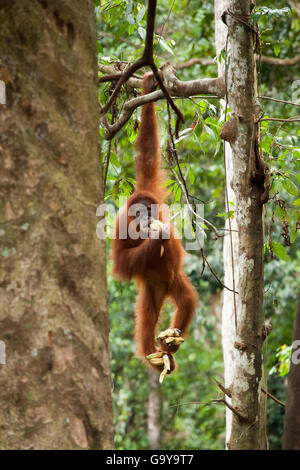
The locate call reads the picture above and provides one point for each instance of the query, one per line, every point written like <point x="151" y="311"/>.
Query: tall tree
<point x="243" y="248"/>
<point x="55" y="389"/>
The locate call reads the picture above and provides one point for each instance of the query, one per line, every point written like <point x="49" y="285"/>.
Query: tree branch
<point x="278" y="101"/>
<point x="192" y="62"/>
<point x="285" y="62"/>
<point x="116" y="70"/>
<point x="146" y="59"/>
<point x="264" y="59"/>
<point x="128" y="109"/>
<point x="174" y="87"/>
<point x="273" y="398"/>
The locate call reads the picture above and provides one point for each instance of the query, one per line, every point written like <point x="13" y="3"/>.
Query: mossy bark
<point x="55" y="389"/>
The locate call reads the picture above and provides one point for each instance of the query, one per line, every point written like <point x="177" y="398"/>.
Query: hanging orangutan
<point x="148" y="252"/>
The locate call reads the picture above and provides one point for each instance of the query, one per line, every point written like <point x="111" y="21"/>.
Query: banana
<point x="169" y="332"/>
<point x="167" y="362"/>
<point x="174" y="340"/>
<point x="178" y="341"/>
<point x="156" y="225"/>
<point x="162" y="375"/>
<point x="157" y="361"/>
<point x="156" y="354"/>
<point x="169" y="340"/>
<point x="162" y="250"/>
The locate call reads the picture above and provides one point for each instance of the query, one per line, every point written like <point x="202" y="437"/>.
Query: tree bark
<point x="154" y="411"/>
<point x="228" y="322"/>
<point x="291" y="434"/>
<point x="55" y="389"/>
<point x="242" y="345"/>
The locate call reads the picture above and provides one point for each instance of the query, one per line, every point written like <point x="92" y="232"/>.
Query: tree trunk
<point x="228" y="324"/>
<point x="291" y="434"/>
<point x="55" y="390"/>
<point x="154" y="411"/>
<point x="242" y="344"/>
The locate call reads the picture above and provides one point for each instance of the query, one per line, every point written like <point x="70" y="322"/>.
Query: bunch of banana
<point x="160" y="358"/>
<point x="171" y="336"/>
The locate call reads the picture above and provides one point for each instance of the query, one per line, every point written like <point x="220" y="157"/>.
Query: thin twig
<point x="225" y="390"/>
<point x="273" y="398"/>
<point x="278" y="101"/>
<point x="280" y="120"/>
<point x="240" y="415"/>
<point x="107" y="159"/>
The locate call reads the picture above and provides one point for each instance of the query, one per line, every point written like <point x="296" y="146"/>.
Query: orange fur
<point x="157" y="277"/>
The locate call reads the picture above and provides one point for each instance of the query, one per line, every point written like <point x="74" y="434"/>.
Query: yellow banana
<point x="178" y="340"/>
<point x="162" y="375"/>
<point x="156" y="354"/>
<point x="170" y="332"/>
<point x="167" y="362"/>
<point x="158" y="361"/>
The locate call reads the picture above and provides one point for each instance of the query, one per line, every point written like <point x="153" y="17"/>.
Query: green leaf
<point x="296" y="202"/>
<point x="114" y="160"/>
<point x="177" y="193"/>
<point x="140" y="14"/>
<point x="166" y="46"/>
<point x="280" y="251"/>
<point x="276" y="49"/>
<point x="209" y="132"/>
<point x="191" y="176"/>
<point x="281" y="214"/>
<point x="263" y="126"/>
<point x="130" y="19"/>
<point x="131" y="29"/>
<point x="226" y="214"/>
<point x="266" y="143"/>
<point x="142" y="33"/>
<point x="222" y="56"/>
<point x="290" y="187"/>
<point x="293" y="234"/>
